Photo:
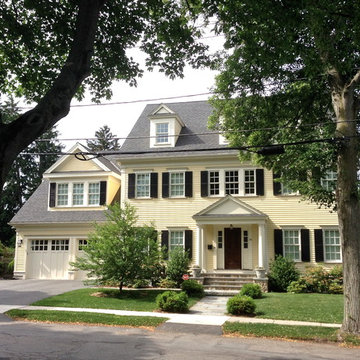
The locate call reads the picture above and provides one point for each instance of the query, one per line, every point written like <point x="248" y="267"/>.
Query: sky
<point x="82" y="122"/>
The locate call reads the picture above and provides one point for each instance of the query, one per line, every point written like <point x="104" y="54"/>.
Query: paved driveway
<point x="25" y="292"/>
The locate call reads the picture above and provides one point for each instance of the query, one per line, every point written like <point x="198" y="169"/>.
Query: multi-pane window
<point x="246" y="239"/>
<point x="142" y="185"/>
<point x="328" y="182"/>
<point x="214" y="182"/>
<point x="162" y="133"/>
<point x="82" y="244"/>
<point x="60" y="245"/>
<point x="291" y="243"/>
<point x="177" y="184"/>
<point x="249" y="182"/>
<point x="332" y="245"/>
<point x="94" y="194"/>
<point x="62" y="194"/>
<point x="39" y="245"/>
<point x="78" y="194"/>
<point x="285" y="190"/>
<point x="220" y="239"/>
<point x="232" y="182"/>
<point x="176" y="240"/>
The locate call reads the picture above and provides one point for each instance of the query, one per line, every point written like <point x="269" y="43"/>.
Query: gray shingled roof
<point x="195" y="116"/>
<point x="35" y="211"/>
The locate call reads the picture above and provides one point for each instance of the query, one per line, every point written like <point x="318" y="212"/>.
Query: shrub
<point x="193" y="288"/>
<point x="282" y="273"/>
<point x="241" y="305"/>
<point x="178" y="265"/>
<point x="297" y="287"/>
<point x="167" y="283"/>
<point x="172" y="301"/>
<point x="251" y="290"/>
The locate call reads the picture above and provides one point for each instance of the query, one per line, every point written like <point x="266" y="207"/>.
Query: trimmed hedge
<point x="251" y="290"/>
<point x="192" y="288"/>
<point x="241" y="305"/>
<point x="171" y="301"/>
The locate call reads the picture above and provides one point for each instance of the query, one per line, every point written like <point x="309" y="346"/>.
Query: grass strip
<point x="312" y="333"/>
<point x="87" y="318"/>
<point x="131" y="300"/>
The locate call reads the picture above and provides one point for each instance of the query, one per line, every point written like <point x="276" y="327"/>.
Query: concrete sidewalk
<point x="211" y="310"/>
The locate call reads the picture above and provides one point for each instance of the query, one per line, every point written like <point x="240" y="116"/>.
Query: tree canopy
<point x="104" y="140"/>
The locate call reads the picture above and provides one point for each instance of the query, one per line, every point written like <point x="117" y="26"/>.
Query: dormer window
<point x="162" y="133"/>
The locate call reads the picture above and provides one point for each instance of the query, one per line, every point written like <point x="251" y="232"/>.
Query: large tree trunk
<point x="55" y="104"/>
<point x="348" y="206"/>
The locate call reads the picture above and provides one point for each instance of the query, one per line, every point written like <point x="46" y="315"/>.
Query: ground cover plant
<point x="102" y="298"/>
<point x="83" y="317"/>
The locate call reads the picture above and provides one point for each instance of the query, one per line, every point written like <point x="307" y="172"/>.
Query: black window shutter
<point x="188" y="184"/>
<point x="278" y="241"/>
<point x="319" y="247"/>
<point x="188" y="242"/>
<point x="305" y="245"/>
<point x="131" y="186"/>
<point x="165" y="185"/>
<point x="154" y="185"/>
<point x="165" y="243"/>
<point x="52" y="195"/>
<point x="276" y="185"/>
<point x="204" y="176"/>
<point x="102" y="192"/>
<point x="259" y="181"/>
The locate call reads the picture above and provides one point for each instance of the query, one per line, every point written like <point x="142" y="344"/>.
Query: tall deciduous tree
<point x="105" y="140"/>
<point x="52" y="50"/>
<point x="292" y="74"/>
<point x="119" y="251"/>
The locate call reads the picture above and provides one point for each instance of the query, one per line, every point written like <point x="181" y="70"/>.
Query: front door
<point x="232" y="248"/>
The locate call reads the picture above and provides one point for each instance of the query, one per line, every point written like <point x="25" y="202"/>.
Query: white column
<point x="261" y="246"/>
<point x="199" y="251"/>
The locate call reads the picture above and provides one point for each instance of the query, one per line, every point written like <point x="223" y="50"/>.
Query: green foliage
<point x="319" y="280"/>
<point x="119" y="251"/>
<point x="105" y="140"/>
<point x="251" y="290"/>
<point x="6" y="261"/>
<point x="171" y="301"/>
<point x="192" y="288"/>
<point x="167" y="283"/>
<point x="282" y="273"/>
<point x="241" y="305"/>
<point x="177" y="265"/>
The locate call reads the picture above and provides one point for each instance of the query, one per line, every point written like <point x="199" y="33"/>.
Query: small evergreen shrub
<point x="171" y="301"/>
<point x="251" y="290"/>
<point x="178" y="265"/>
<point x="167" y="284"/>
<point x="241" y="305"/>
<point x="192" y="288"/>
<point x="282" y="273"/>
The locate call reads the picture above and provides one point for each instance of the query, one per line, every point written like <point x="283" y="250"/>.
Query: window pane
<point x="177" y="186"/>
<point x="59" y="245"/>
<point x="332" y="245"/>
<point x="214" y="183"/>
<point x="39" y="245"/>
<point x="232" y="182"/>
<point x="62" y="194"/>
<point x="82" y="244"/>
<point x="78" y="194"/>
<point x="162" y="132"/>
<point x="292" y="244"/>
<point x="176" y="239"/>
<point x="94" y="193"/>
<point x="142" y="185"/>
<point x="328" y="182"/>
<point x="249" y="181"/>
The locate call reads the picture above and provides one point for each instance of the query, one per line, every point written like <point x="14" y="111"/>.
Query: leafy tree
<point x="25" y="174"/>
<point x="54" y="50"/>
<point x="291" y="75"/>
<point x="119" y="251"/>
<point x="177" y="265"/>
<point x="105" y="140"/>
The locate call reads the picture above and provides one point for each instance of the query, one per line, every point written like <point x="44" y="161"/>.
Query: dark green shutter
<point x="204" y="183"/>
<point x="319" y="245"/>
<point x="165" y="185"/>
<point x="278" y="242"/>
<point x="188" y="184"/>
<point x="189" y="242"/>
<point x="260" y="182"/>
<point x="131" y="186"/>
<point x="52" y="195"/>
<point x="102" y="192"/>
<point x="165" y="243"/>
<point x="276" y="185"/>
<point x="154" y="185"/>
<point x="305" y="245"/>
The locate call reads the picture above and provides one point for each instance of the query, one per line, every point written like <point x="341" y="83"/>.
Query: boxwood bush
<point x="193" y="288"/>
<point x="241" y="305"/>
<point x="251" y="290"/>
<point x="171" y="301"/>
<point x="282" y="273"/>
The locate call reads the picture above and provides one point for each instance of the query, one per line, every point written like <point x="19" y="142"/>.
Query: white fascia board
<point x="82" y="174"/>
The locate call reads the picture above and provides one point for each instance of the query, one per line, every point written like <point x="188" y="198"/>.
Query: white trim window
<point x="94" y="193"/>
<point x="328" y="182"/>
<point x="332" y="245"/>
<point x="162" y="133"/>
<point x="62" y="195"/>
<point x="177" y="184"/>
<point x="39" y="245"/>
<point x="177" y="239"/>
<point x="292" y="244"/>
<point x="82" y="243"/>
<point x="142" y="185"/>
<point x="77" y="194"/>
<point x="60" y="245"/>
<point x="214" y="183"/>
<point x="249" y="182"/>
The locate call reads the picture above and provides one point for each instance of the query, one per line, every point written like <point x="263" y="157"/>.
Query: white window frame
<point x="161" y="137"/>
<point x="332" y="245"/>
<point x="81" y="244"/>
<point x="65" y="194"/>
<point x="61" y="244"/>
<point x="182" y="195"/>
<point x="329" y="181"/>
<point x="39" y="245"/>
<point x="137" y="196"/>
<point x="298" y="244"/>
<point x="171" y="234"/>
<point x="93" y="193"/>
<point x="70" y="194"/>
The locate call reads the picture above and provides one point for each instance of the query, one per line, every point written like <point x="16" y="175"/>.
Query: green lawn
<point x="325" y="308"/>
<point x="87" y="318"/>
<point x="132" y="300"/>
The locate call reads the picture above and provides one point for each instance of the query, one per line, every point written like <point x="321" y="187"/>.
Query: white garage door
<point x="48" y="259"/>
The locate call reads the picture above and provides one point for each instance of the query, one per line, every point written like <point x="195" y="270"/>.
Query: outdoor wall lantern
<point x="19" y="242"/>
